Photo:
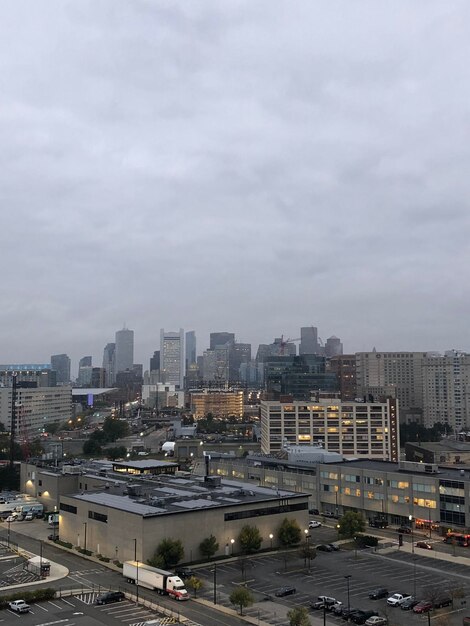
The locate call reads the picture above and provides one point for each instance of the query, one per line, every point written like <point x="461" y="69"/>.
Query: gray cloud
<point x="245" y="166"/>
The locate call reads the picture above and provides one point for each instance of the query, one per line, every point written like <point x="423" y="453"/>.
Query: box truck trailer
<point x="165" y="583"/>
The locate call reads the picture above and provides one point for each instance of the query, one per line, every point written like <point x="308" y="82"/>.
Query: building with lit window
<point x="350" y="428"/>
<point x="218" y="402"/>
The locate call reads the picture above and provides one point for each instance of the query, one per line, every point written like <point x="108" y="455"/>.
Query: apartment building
<point x="349" y="428"/>
<point x="36" y="407"/>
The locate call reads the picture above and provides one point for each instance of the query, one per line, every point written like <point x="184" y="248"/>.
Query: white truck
<point x="164" y="583"/>
<point x="397" y="599"/>
<point x="31" y="507"/>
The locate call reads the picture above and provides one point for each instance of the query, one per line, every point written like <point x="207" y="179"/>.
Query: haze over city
<point x="233" y="166"/>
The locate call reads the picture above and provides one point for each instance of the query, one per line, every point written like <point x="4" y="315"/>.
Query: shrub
<point x="39" y="595"/>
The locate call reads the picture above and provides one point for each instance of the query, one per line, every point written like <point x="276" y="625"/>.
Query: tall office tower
<point x="221" y="339"/>
<point x="377" y="371"/>
<point x="155" y="361"/>
<point x="172" y="357"/>
<point x="309" y="341"/>
<point x="124" y="357"/>
<point x="190" y="348"/>
<point x="239" y="353"/>
<point x="344" y="366"/>
<point x="446" y="384"/>
<point x="109" y="365"/>
<point x="61" y="364"/>
<point x="84" y="362"/>
<point x="333" y="346"/>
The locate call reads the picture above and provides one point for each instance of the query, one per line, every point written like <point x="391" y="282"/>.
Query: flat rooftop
<point x="168" y="494"/>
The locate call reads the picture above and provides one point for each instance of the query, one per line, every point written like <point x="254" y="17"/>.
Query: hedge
<point x="28" y="596"/>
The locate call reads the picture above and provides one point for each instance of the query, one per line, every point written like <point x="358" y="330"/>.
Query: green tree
<point x="350" y="525"/>
<point x="298" y="616"/>
<point x="208" y="546"/>
<point x="52" y="428"/>
<point x="249" y="539"/>
<point x="168" y="553"/>
<point x="117" y="452"/>
<point x="115" y="429"/>
<point x="92" y="447"/>
<point x="289" y="533"/>
<point x="195" y="584"/>
<point x="242" y="598"/>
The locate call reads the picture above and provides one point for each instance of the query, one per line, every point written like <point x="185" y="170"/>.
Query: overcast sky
<point x="248" y="166"/>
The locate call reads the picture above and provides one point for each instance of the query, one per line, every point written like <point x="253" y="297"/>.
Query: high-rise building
<point x="446" y="385"/>
<point x="28" y="375"/>
<point x="333" y="346"/>
<point x="61" y="364"/>
<point x="172" y="357"/>
<point x="239" y="353"/>
<point x="298" y="376"/>
<point x="353" y="428"/>
<point x="221" y="339"/>
<point x="309" y="340"/>
<point x="190" y="348"/>
<point x="155" y="361"/>
<point x="124" y="357"/>
<point x="344" y="366"/>
<point x="84" y="372"/>
<point x="109" y="365"/>
<point x="377" y="371"/>
<point x="85" y="362"/>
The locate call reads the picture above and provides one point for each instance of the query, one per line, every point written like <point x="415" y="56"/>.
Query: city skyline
<point x="233" y="166"/>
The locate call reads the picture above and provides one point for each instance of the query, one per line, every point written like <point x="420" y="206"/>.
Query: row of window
<point x="69" y="508"/>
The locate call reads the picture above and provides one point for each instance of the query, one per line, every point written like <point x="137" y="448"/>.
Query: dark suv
<point x="110" y="596"/>
<point x="285" y="591"/>
<point x="378" y="593"/>
<point x="360" y="617"/>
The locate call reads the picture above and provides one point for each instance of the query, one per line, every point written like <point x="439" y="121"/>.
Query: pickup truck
<point x="19" y="606"/>
<point x="324" y="601"/>
<point x="397" y="599"/>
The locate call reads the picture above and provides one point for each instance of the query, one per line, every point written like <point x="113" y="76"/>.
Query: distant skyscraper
<point x="172" y="357"/>
<point x="61" y="364"/>
<point x="333" y="346"/>
<point x="124" y="357"/>
<point x="85" y="362"/>
<point x="109" y="365"/>
<point x="220" y="339"/>
<point x="309" y="340"/>
<point x="155" y="361"/>
<point x="190" y="348"/>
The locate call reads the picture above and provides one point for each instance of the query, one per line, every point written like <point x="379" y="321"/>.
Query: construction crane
<point x="283" y="343"/>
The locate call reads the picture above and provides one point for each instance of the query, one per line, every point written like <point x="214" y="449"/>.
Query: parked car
<point x="324" y="547"/>
<point x="110" y="596"/>
<point x="424" y="544"/>
<point x="29" y="516"/>
<point x="314" y="512"/>
<point x="380" y="592"/>
<point x="285" y="591"/>
<point x="406" y="530"/>
<point x="337" y="608"/>
<point x="333" y="546"/>
<point x="185" y="572"/>
<point x="347" y="613"/>
<point x="423" y="607"/>
<point x="324" y="601"/>
<point x="407" y="605"/>
<point x="314" y="524"/>
<point x="360" y="617"/>
<point x="11" y="518"/>
<point x="441" y="601"/>
<point x="19" y="606"/>
<point x="376" y="620"/>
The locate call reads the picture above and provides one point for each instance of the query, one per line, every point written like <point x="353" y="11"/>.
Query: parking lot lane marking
<point x="41" y="607"/>
<point x="67" y="602"/>
<point x="59" y="621"/>
<point x="57" y="606"/>
<point x="13" y="613"/>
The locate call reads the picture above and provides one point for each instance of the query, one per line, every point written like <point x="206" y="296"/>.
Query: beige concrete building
<point x="376" y="371"/>
<point x="36" y="408"/>
<point x="349" y="428"/>
<point x="446" y="384"/>
<point x="219" y="403"/>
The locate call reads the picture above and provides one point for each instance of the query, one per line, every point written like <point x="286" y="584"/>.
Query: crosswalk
<point x="88" y="597"/>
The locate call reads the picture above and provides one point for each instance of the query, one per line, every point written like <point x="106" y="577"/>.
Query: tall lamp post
<point x="135" y="549"/>
<point x="271" y="539"/>
<point x="215" y="582"/>
<point x="8" y="540"/>
<point x="84" y="547"/>
<point x="232" y="541"/>
<point x="307" y="546"/>
<point x="137" y="583"/>
<point x="348" y="577"/>
<point x="410" y="517"/>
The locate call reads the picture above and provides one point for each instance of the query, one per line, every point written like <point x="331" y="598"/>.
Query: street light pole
<point x="232" y="541"/>
<point x="410" y="517"/>
<point x="135" y="549"/>
<point x="84" y="547"/>
<point x="215" y="583"/>
<point x="9" y="533"/>
<point x="137" y="584"/>
<point x="271" y="539"/>
<point x="348" y="576"/>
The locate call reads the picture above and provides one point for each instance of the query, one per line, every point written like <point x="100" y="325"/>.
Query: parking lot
<point x="81" y="610"/>
<point x="398" y="572"/>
